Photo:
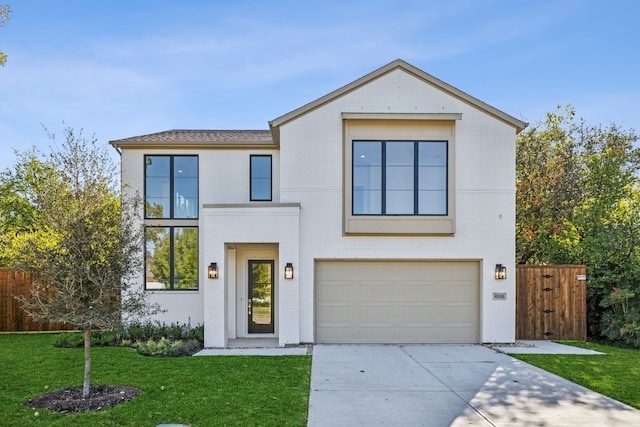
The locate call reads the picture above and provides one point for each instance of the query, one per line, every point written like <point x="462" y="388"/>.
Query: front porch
<point x="250" y="299"/>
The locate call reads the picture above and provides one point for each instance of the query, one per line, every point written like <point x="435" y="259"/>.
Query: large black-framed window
<point x="171" y="187"/>
<point x="400" y="177"/>
<point x="260" y="177"/>
<point x="171" y="258"/>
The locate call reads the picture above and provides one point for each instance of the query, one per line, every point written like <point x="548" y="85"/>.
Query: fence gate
<point x="551" y="302"/>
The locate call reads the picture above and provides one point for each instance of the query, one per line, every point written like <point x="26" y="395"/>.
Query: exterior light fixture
<point x="213" y="270"/>
<point x="288" y="271"/>
<point x="501" y="272"/>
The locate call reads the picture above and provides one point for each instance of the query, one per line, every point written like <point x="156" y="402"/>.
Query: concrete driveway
<point x="447" y="385"/>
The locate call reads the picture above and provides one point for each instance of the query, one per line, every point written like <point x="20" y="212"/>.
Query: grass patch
<point x="615" y="374"/>
<point x="196" y="391"/>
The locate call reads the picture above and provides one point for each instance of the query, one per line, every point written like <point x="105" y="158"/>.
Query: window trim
<point x="251" y="198"/>
<point x="378" y="127"/>
<point x="171" y="186"/>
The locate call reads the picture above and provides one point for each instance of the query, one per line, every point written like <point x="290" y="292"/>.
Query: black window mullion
<point x="171" y="187"/>
<point x="171" y="260"/>
<point x="383" y="175"/>
<point x="416" y="171"/>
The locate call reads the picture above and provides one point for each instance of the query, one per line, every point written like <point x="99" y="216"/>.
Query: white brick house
<point x="392" y="199"/>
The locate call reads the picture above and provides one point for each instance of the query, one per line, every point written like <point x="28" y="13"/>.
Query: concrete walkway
<point x="545" y="347"/>
<point x="448" y="385"/>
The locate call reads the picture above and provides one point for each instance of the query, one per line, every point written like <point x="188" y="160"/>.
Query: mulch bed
<point x="69" y="400"/>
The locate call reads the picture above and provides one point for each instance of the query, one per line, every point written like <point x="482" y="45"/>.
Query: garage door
<point x="397" y="302"/>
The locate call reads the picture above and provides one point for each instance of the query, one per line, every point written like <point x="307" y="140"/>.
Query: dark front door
<point x="260" y="297"/>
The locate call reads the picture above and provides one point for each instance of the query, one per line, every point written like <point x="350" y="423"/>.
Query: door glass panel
<point x="260" y="297"/>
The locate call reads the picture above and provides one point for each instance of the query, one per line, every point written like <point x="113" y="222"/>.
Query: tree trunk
<point x="86" y="386"/>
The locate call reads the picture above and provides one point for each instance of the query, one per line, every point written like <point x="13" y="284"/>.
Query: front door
<point x="260" y="299"/>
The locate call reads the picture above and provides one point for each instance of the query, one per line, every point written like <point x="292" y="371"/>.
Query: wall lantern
<point x="501" y="272"/>
<point x="288" y="271"/>
<point x="213" y="270"/>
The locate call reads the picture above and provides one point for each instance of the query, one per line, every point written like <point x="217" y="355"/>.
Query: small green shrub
<point x="144" y="331"/>
<point x="76" y="339"/>
<point x="68" y="340"/>
<point x="197" y="333"/>
<point x="167" y="347"/>
<point x="621" y="321"/>
<point x="151" y="339"/>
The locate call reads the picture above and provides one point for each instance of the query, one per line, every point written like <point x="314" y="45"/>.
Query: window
<point x="171" y="186"/>
<point x="399" y="178"/>
<point x="171" y="231"/>
<point x="171" y="258"/>
<point x="399" y="174"/>
<point x="260" y="178"/>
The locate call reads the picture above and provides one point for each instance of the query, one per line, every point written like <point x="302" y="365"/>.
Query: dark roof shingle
<point x="189" y="136"/>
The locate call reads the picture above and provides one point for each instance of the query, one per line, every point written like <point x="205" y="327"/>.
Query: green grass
<point x="615" y="374"/>
<point x="196" y="391"/>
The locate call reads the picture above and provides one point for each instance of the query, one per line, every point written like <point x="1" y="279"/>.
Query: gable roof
<point x="392" y="66"/>
<point x="190" y="138"/>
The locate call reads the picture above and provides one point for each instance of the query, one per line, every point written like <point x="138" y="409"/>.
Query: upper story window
<point x="399" y="174"/>
<point x="171" y="187"/>
<point x="260" y="180"/>
<point x="399" y="178"/>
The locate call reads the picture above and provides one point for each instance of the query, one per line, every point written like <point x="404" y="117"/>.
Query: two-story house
<point x="383" y="212"/>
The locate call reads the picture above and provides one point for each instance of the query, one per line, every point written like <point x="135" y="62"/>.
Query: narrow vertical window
<point x="260" y="179"/>
<point x="367" y="178"/>
<point x="432" y="178"/>
<point x="399" y="183"/>
<point x="185" y="187"/>
<point x="157" y="187"/>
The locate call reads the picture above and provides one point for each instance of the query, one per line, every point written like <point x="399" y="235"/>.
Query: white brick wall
<point x="308" y="169"/>
<point x="485" y="191"/>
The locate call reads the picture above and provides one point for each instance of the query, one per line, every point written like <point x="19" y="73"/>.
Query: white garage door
<point x="397" y="302"/>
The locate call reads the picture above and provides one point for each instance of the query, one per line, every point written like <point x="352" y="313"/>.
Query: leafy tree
<point x="5" y="10"/>
<point x="19" y="212"/>
<point x="578" y="202"/>
<point x="77" y="236"/>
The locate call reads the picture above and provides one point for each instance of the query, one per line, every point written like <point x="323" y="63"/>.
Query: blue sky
<point x="123" y="68"/>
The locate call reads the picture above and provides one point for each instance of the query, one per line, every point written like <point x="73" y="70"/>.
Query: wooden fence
<point x="12" y="317"/>
<point x="551" y="302"/>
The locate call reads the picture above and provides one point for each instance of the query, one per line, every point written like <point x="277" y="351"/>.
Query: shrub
<point x="197" y="333"/>
<point x="137" y="331"/>
<point x="68" y="340"/>
<point x="149" y="338"/>
<point x="621" y="322"/>
<point x="167" y="347"/>
<point x="76" y="339"/>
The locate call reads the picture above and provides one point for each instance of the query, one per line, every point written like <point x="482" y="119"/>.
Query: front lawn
<point x="196" y="391"/>
<point x="615" y="374"/>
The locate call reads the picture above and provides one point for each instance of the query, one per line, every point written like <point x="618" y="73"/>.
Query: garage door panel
<point x="397" y="302"/>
